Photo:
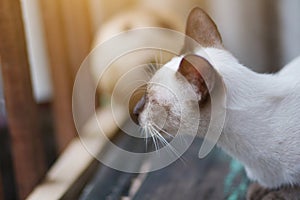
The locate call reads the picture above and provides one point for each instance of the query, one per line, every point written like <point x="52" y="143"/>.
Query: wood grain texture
<point x="109" y="183"/>
<point x="60" y="71"/>
<point x="75" y="165"/>
<point x="68" y="34"/>
<point x="21" y="109"/>
<point x="77" y="27"/>
<point x="215" y="177"/>
<point x="1" y="189"/>
<point x="78" y="37"/>
<point x="6" y="168"/>
<point x="189" y="179"/>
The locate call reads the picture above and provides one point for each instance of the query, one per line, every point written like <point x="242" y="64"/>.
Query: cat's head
<point x="183" y="85"/>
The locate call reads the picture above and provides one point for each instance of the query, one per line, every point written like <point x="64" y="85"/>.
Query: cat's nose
<point x="139" y="106"/>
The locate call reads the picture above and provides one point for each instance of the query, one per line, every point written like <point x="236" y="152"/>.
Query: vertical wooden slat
<point x="6" y="167"/>
<point x="61" y="74"/>
<point x="1" y="188"/>
<point x="68" y="33"/>
<point x="20" y="106"/>
<point x="78" y="30"/>
<point x="77" y="26"/>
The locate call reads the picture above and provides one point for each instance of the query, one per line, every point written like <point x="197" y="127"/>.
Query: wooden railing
<point x="68" y="38"/>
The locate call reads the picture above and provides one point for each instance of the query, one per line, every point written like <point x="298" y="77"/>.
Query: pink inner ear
<point x="202" y="29"/>
<point x="192" y="75"/>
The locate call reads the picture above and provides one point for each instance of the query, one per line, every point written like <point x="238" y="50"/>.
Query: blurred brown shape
<point x="68" y="37"/>
<point x="1" y="188"/>
<point x="23" y="120"/>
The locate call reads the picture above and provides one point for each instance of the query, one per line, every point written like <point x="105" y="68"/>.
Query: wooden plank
<point x="1" y="188"/>
<point x="61" y="74"/>
<point x="70" y="166"/>
<point x="192" y="178"/>
<point x="8" y="176"/>
<point x="215" y="177"/>
<point x="78" y="35"/>
<point x="77" y="27"/>
<point x="189" y="179"/>
<point x="114" y="183"/>
<point x="70" y="172"/>
<point x="21" y="109"/>
<point x="2" y="144"/>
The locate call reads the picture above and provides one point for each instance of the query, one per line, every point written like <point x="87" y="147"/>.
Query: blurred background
<point x="57" y="35"/>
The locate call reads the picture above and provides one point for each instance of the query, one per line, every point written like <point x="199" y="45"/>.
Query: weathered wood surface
<point x="75" y="165"/>
<point x="6" y="166"/>
<point x="68" y="34"/>
<point x="60" y="72"/>
<point x="78" y="38"/>
<point x="215" y="177"/>
<point x="110" y="183"/>
<point x="21" y="109"/>
<point x="1" y="188"/>
<point x="78" y="30"/>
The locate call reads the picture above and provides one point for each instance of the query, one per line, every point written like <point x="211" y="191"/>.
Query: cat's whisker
<point x="146" y="138"/>
<point x="161" y="138"/>
<point x="157" y="136"/>
<point x="153" y="137"/>
<point x="152" y="68"/>
<point x="149" y="72"/>
<point x="160" y="129"/>
<point x="165" y="142"/>
<point x="172" y="149"/>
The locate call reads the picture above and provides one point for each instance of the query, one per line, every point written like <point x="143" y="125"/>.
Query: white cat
<point x="262" y="128"/>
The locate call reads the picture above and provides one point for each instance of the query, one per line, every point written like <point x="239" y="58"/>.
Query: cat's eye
<point x="154" y="101"/>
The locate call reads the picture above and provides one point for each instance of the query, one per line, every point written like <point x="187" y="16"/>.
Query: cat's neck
<point x="251" y="97"/>
<point x="245" y="88"/>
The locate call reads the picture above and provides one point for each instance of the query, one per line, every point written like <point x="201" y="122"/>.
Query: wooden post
<point x="20" y="106"/>
<point x="78" y="30"/>
<point x="1" y="188"/>
<point x="77" y="26"/>
<point x="68" y="32"/>
<point x="61" y="73"/>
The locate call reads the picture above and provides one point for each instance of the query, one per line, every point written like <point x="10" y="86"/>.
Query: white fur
<point x="262" y="128"/>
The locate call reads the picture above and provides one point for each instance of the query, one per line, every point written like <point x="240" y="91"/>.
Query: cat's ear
<point x="201" y="28"/>
<point x="199" y="73"/>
